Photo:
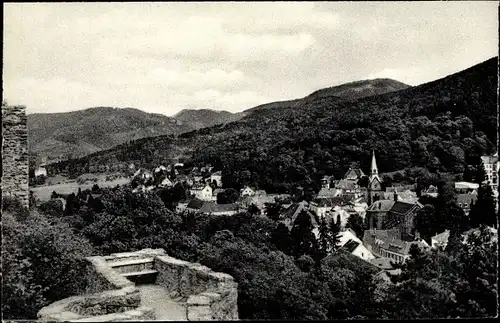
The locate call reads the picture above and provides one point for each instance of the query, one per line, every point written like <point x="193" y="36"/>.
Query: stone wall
<point x="109" y="296"/>
<point x="209" y="295"/>
<point x="15" y="153"/>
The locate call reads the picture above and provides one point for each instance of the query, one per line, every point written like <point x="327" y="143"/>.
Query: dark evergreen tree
<point x="480" y="174"/>
<point x="355" y="223"/>
<point x="303" y="239"/>
<point x="253" y="209"/>
<point x="334" y="235"/>
<point x="468" y="175"/>
<point x="483" y="211"/>
<point x="324" y="238"/>
<point x="273" y="211"/>
<point x="54" y="195"/>
<point x="281" y="238"/>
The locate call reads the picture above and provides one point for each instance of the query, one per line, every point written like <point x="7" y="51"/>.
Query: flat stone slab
<point x="165" y="308"/>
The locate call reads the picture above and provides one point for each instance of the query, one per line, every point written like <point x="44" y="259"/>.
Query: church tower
<point x="374" y="182"/>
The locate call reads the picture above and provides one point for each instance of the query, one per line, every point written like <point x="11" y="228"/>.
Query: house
<point x="465" y="201"/>
<point x="403" y="196"/>
<point x="388" y="244"/>
<point x="465" y="187"/>
<point x="259" y="201"/>
<point x="328" y="192"/>
<point x="247" y="191"/>
<point x="194" y="205"/>
<point x="160" y="168"/>
<point x="440" y="240"/>
<point x="202" y="192"/>
<point x="401" y="216"/>
<point x="348" y="187"/>
<point x="321" y="206"/>
<point x="431" y="191"/>
<point x="376" y="214"/>
<point x="217" y="178"/>
<point x="166" y="182"/>
<point x="213" y="208"/>
<point x="143" y="174"/>
<point x="326" y="181"/>
<point x="41" y="171"/>
<point x="290" y="215"/>
<point x="491" y="167"/>
<point x="353" y="173"/>
<point x="358" y="249"/>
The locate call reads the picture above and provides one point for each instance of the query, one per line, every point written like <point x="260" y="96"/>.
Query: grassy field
<point x="43" y="192"/>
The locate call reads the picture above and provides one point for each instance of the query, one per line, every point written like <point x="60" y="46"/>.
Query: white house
<point x="40" y="171"/>
<point x="166" y="182"/>
<point x="202" y="192"/>
<point x="440" y="240"/>
<point x="354" y="245"/>
<point x="217" y="178"/>
<point x="247" y="191"/>
<point x="160" y="168"/>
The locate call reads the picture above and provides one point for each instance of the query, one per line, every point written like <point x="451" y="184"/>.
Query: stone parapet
<point x="109" y="296"/>
<point x="209" y="295"/>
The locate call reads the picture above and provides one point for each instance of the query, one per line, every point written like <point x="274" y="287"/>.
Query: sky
<point x="165" y="57"/>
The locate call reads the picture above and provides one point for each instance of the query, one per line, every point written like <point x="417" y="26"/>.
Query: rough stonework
<point x="15" y="153"/>
<point x="198" y="292"/>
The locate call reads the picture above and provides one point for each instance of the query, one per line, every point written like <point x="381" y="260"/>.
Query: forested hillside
<point x="79" y="133"/>
<point x="440" y="126"/>
<point x="202" y="118"/>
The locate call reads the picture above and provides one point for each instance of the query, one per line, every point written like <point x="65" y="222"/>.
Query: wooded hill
<point x="439" y="126"/>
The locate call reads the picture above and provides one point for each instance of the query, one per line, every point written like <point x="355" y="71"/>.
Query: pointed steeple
<point x="373" y="168"/>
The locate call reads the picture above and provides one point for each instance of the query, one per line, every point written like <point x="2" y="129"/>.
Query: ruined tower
<point x="15" y="153"/>
<point x="374" y="181"/>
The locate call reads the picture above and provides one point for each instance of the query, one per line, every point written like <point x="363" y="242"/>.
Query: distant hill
<point x="343" y="92"/>
<point x="79" y="133"/>
<point x="437" y="127"/>
<point x="202" y="118"/>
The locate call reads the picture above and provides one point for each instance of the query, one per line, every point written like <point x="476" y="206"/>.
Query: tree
<point x="324" y="238"/>
<point x="355" y="222"/>
<point x="96" y="188"/>
<point x="483" y="211"/>
<point x="227" y="196"/>
<point x="480" y="175"/>
<point x="40" y="260"/>
<point x="273" y="210"/>
<point x="425" y="222"/>
<point x="303" y="239"/>
<point x="253" y="209"/>
<point x="280" y="237"/>
<point x="468" y="175"/>
<point x="334" y="235"/>
<point x="54" y="195"/>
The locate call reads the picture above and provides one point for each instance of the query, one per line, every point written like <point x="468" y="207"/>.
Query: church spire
<point x="373" y="168"/>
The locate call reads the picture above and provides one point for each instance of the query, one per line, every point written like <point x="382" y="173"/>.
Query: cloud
<point x="162" y="57"/>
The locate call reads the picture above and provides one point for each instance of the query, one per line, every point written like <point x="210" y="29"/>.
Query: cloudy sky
<point x="164" y="57"/>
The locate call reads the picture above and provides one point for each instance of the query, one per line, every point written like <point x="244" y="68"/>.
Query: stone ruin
<point x="174" y="290"/>
<point x="15" y="174"/>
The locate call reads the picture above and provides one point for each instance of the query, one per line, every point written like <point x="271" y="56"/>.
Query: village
<point x="386" y="214"/>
